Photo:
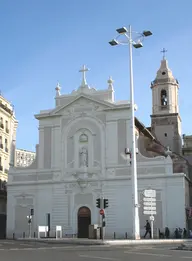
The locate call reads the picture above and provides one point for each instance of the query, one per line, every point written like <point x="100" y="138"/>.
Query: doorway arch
<point x="83" y="222"/>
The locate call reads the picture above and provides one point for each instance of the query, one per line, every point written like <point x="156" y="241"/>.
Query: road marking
<point x="147" y="254"/>
<point x="186" y="257"/>
<point x="98" y="257"/>
<point x="10" y="243"/>
<point x="24" y="244"/>
<point x="33" y="247"/>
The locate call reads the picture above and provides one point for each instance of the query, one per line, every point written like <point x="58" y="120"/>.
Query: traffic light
<point x="32" y="212"/>
<point x="106" y="203"/>
<point x="98" y="202"/>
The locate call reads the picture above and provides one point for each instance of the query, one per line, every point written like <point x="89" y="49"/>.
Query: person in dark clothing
<point x="148" y="229"/>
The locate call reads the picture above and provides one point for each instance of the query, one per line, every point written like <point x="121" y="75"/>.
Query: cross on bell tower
<point x="163" y="51"/>
<point x="84" y="70"/>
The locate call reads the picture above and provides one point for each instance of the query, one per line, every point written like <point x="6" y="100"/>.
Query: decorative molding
<point x="23" y="195"/>
<point x="110" y="172"/>
<point x="57" y="176"/>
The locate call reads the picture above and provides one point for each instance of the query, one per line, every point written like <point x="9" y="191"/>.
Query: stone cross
<point x="83" y="70"/>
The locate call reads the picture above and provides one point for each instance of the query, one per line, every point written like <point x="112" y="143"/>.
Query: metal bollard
<point x="23" y="234"/>
<point x="13" y="235"/>
<point x="34" y="235"/>
<point x="126" y="235"/>
<point x="114" y="235"/>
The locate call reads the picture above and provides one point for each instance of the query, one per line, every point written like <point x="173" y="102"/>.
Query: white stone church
<point x="80" y="157"/>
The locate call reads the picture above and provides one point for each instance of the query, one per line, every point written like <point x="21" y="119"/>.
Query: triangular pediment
<point x="82" y="103"/>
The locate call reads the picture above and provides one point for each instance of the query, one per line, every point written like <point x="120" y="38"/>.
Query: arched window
<point x="83" y="138"/>
<point x="163" y="98"/>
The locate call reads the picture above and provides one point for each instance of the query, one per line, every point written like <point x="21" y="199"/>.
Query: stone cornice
<point x="53" y="182"/>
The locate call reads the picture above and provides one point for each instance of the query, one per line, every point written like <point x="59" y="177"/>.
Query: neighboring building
<point x="80" y="157"/>
<point x="24" y="158"/>
<point x="187" y="145"/>
<point x="8" y="126"/>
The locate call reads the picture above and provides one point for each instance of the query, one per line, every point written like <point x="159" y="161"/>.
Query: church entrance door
<point x="84" y="220"/>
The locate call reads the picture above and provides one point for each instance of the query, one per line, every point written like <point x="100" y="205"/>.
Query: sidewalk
<point x="123" y="242"/>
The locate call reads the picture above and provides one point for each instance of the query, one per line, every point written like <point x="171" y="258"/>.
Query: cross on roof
<point x="83" y="70"/>
<point x="164" y="51"/>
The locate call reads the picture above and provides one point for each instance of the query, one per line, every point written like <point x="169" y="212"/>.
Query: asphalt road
<point x="17" y="251"/>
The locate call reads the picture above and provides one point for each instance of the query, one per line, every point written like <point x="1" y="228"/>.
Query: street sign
<point x="149" y="208"/>
<point x="101" y="212"/>
<point x="148" y="203"/>
<point x="150" y="193"/>
<point x="149" y="212"/>
<point x="152" y="218"/>
<point x="149" y="199"/>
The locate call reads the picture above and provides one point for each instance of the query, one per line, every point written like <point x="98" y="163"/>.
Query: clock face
<point x="163" y="73"/>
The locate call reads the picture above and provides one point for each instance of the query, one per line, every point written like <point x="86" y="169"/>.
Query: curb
<point x="106" y="242"/>
<point x="67" y="242"/>
<point x="147" y="242"/>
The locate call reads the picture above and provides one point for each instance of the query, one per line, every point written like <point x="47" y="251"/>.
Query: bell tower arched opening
<point x="164" y="99"/>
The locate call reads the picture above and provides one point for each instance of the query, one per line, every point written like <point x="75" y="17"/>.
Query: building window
<point x="165" y="134"/>
<point x="1" y="167"/>
<point x="1" y="123"/>
<point x="6" y="145"/>
<point x="83" y="138"/>
<point x="6" y="127"/>
<point x="1" y="143"/>
<point x="163" y="98"/>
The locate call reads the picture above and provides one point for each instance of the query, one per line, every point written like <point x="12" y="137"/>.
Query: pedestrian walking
<point x="148" y="229"/>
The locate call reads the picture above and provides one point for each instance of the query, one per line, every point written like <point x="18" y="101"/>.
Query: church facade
<point x="80" y="157"/>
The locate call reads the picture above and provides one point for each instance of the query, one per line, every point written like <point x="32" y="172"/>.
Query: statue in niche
<point x="83" y="157"/>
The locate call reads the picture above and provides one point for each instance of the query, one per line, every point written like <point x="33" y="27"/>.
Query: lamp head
<point x="122" y="30"/>
<point x="138" y="45"/>
<point x="113" y="42"/>
<point x="147" y="33"/>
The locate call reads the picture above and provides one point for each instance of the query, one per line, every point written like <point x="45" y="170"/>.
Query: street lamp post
<point x="137" y="43"/>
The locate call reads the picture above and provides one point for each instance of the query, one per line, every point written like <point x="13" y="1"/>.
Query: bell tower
<point x="165" y="118"/>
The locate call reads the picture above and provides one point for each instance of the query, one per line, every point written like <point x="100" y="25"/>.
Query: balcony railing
<point x="6" y="109"/>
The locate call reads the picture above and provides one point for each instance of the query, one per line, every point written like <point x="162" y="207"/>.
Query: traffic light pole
<point x="102" y="228"/>
<point x="30" y="228"/>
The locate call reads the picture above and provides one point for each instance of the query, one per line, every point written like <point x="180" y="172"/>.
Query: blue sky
<point x="45" y="41"/>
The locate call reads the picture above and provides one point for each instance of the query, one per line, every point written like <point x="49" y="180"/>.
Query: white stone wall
<point x="63" y="202"/>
